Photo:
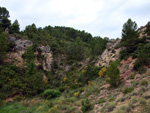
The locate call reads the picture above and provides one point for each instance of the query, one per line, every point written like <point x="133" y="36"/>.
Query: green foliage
<point x="4" y="13"/>
<point x="86" y="105"/>
<point x="6" y="23"/>
<point x="129" y="38"/>
<point x="29" y="54"/>
<point x="132" y="76"/>
<point x="75" y="51"/>
<point x="114" y="74"/>
<point x="34" y="80"/>
<point x="143" y="55"/>
<point x="89" y="74"/>
<point x="111" y="99"/>
<point x="148" y="28"/>
<point x="129" y="31"/>
<point x="97" y="45"/>
<point x="102" y="100"/>
<point x="31" y="69"/>
<point x="4" y="46"/>
<point x="15" y="27"/>
<point x="111" y="106"/>
<point x="144" y="83"/>
<point x="143" y="102"/>
<point x="128" y="90"/>
<point x="51" y="93"/>
<point x="11" y="80"/>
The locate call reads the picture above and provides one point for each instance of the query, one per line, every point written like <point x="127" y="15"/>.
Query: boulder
<point x="22" y="44"/>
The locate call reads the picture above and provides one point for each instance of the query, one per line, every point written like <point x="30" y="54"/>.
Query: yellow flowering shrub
<point x="45" y="81"/>
<point x="76" y="94"/>
<point x="38" y="108"/>
<point x="102" y="72"/>
<point x="60" y="101"/>
<point x="90" y="83"/>
<point x="83" y="71"/>
<point x="64" y="79"/>
<point x="53" y="109"/>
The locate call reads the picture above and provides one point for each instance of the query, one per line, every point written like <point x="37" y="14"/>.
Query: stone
<point x="22" y="44"/>
<point x="12" y="39"/>
<point x="109" y="44"/>
<point x="45" y="49"/>
<point x="107" y="55"/>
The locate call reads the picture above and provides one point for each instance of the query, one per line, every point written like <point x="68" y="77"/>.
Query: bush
<point x="88" y="74"/>
<point x="86" y="105"/>
<point x="128" y="90"/>
<point x="51" y="93"/>
<point x="143" y="102"/>
<point x="132" y="76"/>
<point x="111" y="106"/>
<point x="141" y="70"/>
<point x="113" y="74"/>
<point x="140" y="62"/>
<point x="102" y="100"/>
<point x="77" y="94"/>
<point x="111" y="99"/>
<point x="144" y="83"/>
<point x="102" y="72"/>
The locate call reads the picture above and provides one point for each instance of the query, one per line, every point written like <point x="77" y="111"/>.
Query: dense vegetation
<point x="74" y="45"/>
<point x="135" y="46"/>
<point x="70" y="47"/>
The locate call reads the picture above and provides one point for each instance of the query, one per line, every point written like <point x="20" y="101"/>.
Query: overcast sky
<point x="98" y="17"/>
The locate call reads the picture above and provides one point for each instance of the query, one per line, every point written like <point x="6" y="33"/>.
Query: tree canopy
<point x="4" y="13"/>
<point x="129" y="31"/>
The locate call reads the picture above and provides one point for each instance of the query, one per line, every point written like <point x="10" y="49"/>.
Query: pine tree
<point x="129" y="31"/>
<point x="114" y="74"/>
<point x="15" y="27"/>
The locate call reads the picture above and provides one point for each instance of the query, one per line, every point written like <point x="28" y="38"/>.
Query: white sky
<point x="98" y="17"/>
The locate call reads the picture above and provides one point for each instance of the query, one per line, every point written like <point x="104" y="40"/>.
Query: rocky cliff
<point x="20" y="46"/>
<point x="110" y="54"/>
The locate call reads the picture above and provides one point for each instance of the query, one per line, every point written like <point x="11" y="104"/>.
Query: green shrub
<point x="29" y="54"/>
<point x="111" y="106"/>
<point x="114" y="74"/>
<point x="135" y="83"/>
<point x="111" y="99"/>
<point x="141" y="70"/>
<point x="102" y="100"/>
<point x="128" y="90"/>
<point x="144" y="83"/>
<point x="132" y="76"/>
<point x="134" y="100"/>
<point x="143" y="102"/>
<point x="51" y="93"/>
<point x="86" y="105"/>
<point x="140" y="62"/>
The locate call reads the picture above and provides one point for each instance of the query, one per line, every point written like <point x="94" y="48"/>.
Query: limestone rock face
<point x="47" y="57"/>
<point x="20" y="46"/>
<point x="15" y="58"/>
<point x="110" y="54"/>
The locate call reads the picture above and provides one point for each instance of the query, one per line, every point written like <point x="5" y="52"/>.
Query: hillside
<point x="64" y="70"/>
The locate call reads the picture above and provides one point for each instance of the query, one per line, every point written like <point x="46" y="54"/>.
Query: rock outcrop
<point x="142" y="31"/>
<point x="47" y="57"/>
<point x="110" y="54"/>
<point x="20" y="46"/>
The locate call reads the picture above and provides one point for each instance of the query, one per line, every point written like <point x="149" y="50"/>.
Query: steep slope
<point x="111" y="53"/>
<point x="20" y="47"/>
